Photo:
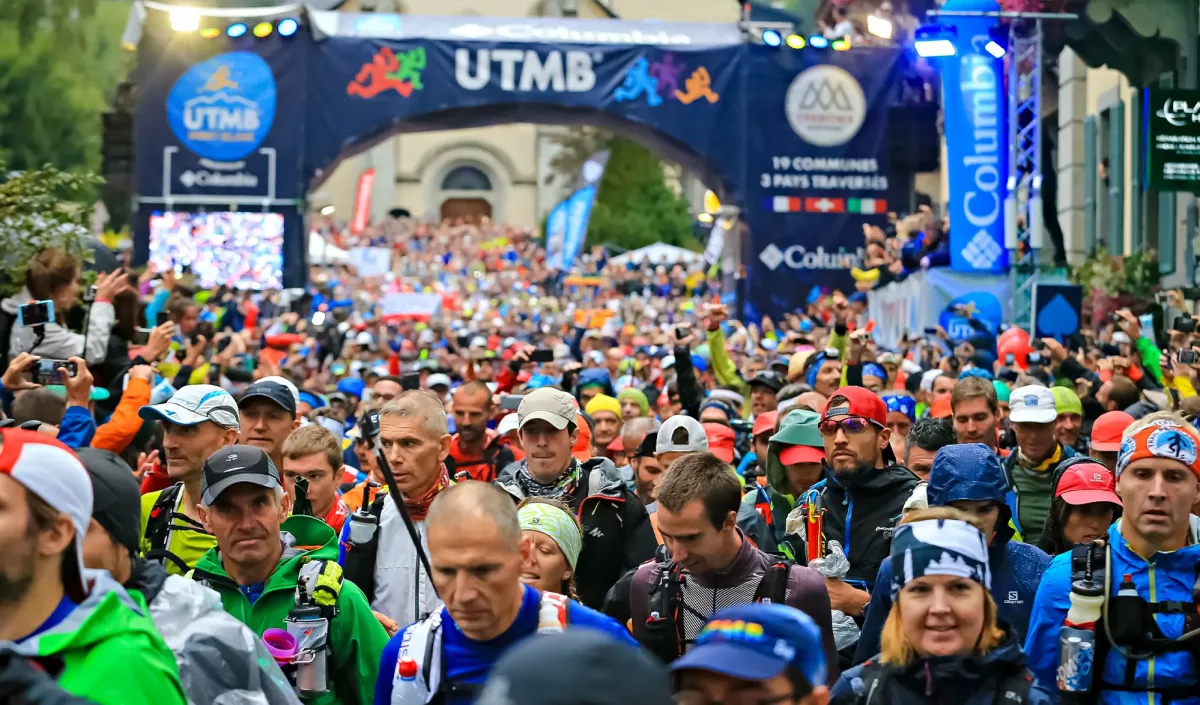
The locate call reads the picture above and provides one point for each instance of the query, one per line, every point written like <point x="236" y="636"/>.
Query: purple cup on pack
<point x="281" y="645"/>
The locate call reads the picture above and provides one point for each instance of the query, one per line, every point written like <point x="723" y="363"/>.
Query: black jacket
<point x="997" y="678"/>
<point x="869" y="510"/>
<point x="617" y="534"/>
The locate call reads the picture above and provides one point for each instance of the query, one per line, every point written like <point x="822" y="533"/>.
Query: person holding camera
<point x="51" y="289"/>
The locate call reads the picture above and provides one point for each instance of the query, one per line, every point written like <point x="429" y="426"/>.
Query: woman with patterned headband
<point x="554" y="539"/>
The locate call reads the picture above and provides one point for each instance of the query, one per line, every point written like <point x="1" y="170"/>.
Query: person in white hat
<point x="52" y="609"/>
<point x="1030" y="468"/>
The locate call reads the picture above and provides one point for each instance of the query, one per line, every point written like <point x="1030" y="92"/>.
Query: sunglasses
<point x="852" y="425"/>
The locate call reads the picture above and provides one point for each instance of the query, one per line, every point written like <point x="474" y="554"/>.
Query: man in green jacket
<point x="262" y="555"/>
<point x="78" y="626"/>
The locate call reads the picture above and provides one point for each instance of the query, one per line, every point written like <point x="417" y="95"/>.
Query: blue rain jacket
<point x="1166" y="576"/>
<point x="970" y="471"/>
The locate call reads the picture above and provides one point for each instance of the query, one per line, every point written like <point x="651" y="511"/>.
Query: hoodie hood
<point x="970" y="471"/>
<point x="12" y="303"/>
<point x="595" y="376"/>
<point x="304" y="538"/>
<point x="108" y="612"/>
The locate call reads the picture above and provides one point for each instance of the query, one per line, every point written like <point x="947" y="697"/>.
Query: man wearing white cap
<point x="198" y="420"/>
<point x="617" y="532"/>
<point x="52" y="610"/>
<point x="1030" y="468"/>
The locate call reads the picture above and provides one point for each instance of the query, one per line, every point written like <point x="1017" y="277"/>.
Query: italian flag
<point x="867" y="205"/>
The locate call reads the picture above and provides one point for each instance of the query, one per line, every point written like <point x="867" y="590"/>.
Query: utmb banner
<point x="816" y="170"/>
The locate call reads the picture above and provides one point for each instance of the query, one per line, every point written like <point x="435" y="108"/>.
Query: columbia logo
<point x="596" y="532"/>
<point x="982" y="251"/>
<point x="771" y="256"/>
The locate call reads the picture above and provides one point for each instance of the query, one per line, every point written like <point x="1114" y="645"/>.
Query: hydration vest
<point x="162" y="521"/>
<point x="1127" y="624"/>
<point x="419" y="670"/>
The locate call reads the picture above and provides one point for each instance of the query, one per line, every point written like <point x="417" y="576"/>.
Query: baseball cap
<point x="273" y="391"/>
<point x="720" y="441"/>
<point x="1107" y="431"/>
<point x="551" y="405"/>
<point x="116" y="497"/>
<point x="287" y="383"/>
<point x="647" y="446"/>
<point x="195" y="404"/>
<point x="802" y="439"/>
<point x="1087" y="483"/>
<point x="764" y="423"/>
<point x="508" y="423"/>
<point x="234" y="465"/>
<point x="1032" y="403"/>
<point x="941" y="408"/>
<point x="768" y="378"/>
<point x="617" y="446"/>
<point x="437" y="380"/>
<point x="697" y="439"/>
<point x="49" y="470"/>
<point x="588" y="667"/>
<point x="758" y="641"/>
<point x="856" y="401"/>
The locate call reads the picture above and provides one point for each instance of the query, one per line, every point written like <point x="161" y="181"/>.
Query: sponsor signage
<point x="525" y="70"/>
<point x="223" y="108"/>
<point x="1173" y="139"/>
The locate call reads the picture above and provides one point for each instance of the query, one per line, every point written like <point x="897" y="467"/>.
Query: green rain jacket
<point x="355" y="636"/>
<point x="109" y="650"/>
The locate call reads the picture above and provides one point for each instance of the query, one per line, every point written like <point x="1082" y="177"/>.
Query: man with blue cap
<point x="758" y="652"/>
<point x="967" y="476"/>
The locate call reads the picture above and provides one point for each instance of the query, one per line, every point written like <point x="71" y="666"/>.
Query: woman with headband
<point x="554" y="539"/>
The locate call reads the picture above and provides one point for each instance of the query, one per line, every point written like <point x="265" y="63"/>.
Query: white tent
<point x="321" y="252"/>
<point x="659" y="253"/>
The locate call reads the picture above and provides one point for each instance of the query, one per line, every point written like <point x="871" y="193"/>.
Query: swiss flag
<point x="823" y="204"/>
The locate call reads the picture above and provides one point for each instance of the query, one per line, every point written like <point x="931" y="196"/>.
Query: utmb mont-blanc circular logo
<point x="222" y="108"/>
<point x="826" y="106"/>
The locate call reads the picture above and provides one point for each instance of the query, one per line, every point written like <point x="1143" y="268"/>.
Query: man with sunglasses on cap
<point x="759" y="653"/>
<point x="77" y="626"/>
<point x="269" y="567"/>
<point x="215" y="652"/>
<point x="197" y="421"/>
<point x="861" y="499"/>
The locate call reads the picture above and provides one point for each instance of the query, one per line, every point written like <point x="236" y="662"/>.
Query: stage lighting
<point x="704" y="218"/>
<point x="795" y="41"/>
<point x="235" y="30"/>
<point x="879" y="26"/>
<point x="994" y="49"/>
<point x="771" y="38"/>
<point x="263" y="29"/>
<point x="210" y="33"/>
<point x="328" y="210"/>
<point x="184" y="19"/>
<point x="818" y="41"/>
<point x="287" y="27"/>
<point x="841" y="44"/>
<point x="934" y="40"/>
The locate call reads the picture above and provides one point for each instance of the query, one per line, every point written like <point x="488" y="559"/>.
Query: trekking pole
<point x="370" y="432"/>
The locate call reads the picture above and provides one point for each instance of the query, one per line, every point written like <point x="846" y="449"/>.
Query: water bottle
<point x="311" y="630"/>
<point x="1077" y="638"/>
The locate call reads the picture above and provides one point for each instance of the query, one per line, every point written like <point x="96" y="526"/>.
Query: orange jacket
<point x="125" y="422"/>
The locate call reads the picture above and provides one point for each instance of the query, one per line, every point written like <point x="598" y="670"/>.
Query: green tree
<point x="40" y="208"/>
<point x="634" y="207"/>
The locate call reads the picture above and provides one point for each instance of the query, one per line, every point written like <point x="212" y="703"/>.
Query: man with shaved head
<point x="476" y="552"/>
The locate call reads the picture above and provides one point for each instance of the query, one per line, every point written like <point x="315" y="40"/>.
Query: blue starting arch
<point x="795" y="138"/>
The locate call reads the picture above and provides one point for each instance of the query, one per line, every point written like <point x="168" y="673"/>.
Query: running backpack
<point x="162" y="522"/>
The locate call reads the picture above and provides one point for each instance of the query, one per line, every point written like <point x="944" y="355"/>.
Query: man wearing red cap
<point x="1106" y="437"/>
<point x="863" y="497"/>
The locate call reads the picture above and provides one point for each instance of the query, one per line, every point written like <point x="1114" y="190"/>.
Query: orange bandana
<point x="1162" y="439"/>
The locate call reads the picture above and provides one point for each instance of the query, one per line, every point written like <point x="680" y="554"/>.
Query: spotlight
<point x="994" y="49"/>
<point x="934" y="40"/>
<point x="771" y="38"/>
<point x="879" y="26"/>
<point x="841" y="44"/>
<point x="263" y="29"/>
<point x="287" y="27"/>
<point x="328" y="210"/>
<point x="185" y="20"/>
<point x="818" y="41"/>
<point x="235" y="30"/>
<point x="210" y="33"/>
<point x="795" y="41"/>
<point x="705" y="218"/>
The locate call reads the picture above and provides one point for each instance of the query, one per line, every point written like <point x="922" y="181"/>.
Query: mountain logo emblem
<point x="826" y="106"/>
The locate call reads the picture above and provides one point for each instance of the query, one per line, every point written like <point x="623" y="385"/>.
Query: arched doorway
<point x="465" y="193"/>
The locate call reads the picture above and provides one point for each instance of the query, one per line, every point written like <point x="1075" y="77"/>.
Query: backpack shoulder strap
<point x="772" y="588"/>
<point x="871" y="683"/>
<point x="420" y="646"/>
<point x="1014" y="690"/>
<point x="160" y="516"/>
